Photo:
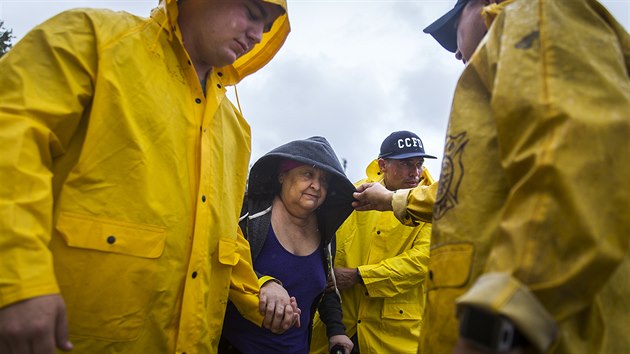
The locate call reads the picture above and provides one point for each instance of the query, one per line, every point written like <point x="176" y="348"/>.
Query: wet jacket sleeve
<point x="329" y="307"/>
<point x="330" y="313"/>
<point x="42" y="101"/>
<point x="561" y="100"/>
<point x="396" y="275"/>
<point x="244" y="286"/>
<point x="415" y="205"/>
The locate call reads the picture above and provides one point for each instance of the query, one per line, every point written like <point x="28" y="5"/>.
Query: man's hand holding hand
<point x="34" y="326"/>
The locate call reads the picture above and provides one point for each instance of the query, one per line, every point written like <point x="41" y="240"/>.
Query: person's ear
<point x="281" y="178"/>
<point x="382" y="165"/>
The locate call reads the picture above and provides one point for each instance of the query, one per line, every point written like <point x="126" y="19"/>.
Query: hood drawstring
<point x="258" y="214"/>
<point x="163" y="25"/>
<point x="332" y="271"/>
<point x="238" y="102"/>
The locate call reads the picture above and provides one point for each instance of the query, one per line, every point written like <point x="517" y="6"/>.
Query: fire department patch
<point x="452" y="174"/>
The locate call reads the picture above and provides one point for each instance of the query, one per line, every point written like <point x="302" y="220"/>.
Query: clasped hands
<point x="280" y="310"/>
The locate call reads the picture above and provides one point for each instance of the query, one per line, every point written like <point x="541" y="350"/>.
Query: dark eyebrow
<point x="262" y="10"/>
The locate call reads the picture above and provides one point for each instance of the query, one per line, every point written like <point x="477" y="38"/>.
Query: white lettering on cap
<point x="409" y="142"/>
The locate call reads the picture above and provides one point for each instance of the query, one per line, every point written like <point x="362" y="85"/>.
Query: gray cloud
<point x="351" y="70"/>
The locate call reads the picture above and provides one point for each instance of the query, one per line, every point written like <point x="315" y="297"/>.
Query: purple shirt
<point x="303" y="277"/>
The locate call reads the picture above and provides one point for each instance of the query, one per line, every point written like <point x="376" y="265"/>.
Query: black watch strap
<point x="489" y="330"/>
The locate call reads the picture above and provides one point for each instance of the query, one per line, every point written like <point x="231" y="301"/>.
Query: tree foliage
<point x="5" y="39"/>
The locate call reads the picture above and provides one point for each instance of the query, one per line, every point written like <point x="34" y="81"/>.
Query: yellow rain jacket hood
<point x="122" y="181"/>
<point x="385" y="311"/>
<point x="532" y="215"/>
<point x="259" y="56"/>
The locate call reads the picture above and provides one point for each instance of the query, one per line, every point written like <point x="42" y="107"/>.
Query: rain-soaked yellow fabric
<point x="532" y="214"/>
<point x="386" y="311"/>
<point x="122" y="183"/>
<point x="415" y="205"/>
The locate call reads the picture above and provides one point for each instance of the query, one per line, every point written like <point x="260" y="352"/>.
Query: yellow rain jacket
<point x="392" y="259"/>
<point x="532" y="218"/>
<point x="122" y="184"/>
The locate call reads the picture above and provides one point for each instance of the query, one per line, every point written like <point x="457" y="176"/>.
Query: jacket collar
<point x="491" y="11"/>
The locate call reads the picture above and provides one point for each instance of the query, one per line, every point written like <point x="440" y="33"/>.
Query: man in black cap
<point x="381" y="264"/>
<point x="520" y="258"/>
<point x="461" y="29"/>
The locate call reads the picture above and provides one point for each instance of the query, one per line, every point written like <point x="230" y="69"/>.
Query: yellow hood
<point x="259" y="56"/>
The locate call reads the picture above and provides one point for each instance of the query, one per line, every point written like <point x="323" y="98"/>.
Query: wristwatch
<point x="490" y="331"/>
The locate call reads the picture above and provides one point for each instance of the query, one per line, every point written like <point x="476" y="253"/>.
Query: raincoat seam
<point x="544" y="157"/>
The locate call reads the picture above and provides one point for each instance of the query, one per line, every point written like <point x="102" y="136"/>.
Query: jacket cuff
<point x="335" y="330"/>
<point x="265" y="278"/>
<point x="399" y="206"/>
<point x="500" y="293"/>
<point x="8" y="298"/>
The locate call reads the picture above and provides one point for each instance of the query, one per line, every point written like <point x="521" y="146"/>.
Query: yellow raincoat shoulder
<point x="531" y="219"/>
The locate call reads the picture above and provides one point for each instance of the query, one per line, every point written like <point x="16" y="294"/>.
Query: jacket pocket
<point x="108" y="272"/>
<point x="398" y="310"/>
<point x="450" y="266"/>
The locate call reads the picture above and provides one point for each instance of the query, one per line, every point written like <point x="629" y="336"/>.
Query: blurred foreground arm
<point x="409" y="205"/>
<point x="372" y="196"/>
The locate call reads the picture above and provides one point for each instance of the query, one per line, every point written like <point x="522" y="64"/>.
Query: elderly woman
<point x="298" y="196"/>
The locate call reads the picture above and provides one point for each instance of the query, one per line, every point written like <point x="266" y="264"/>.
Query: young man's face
<point x="401" y="174"/>
<point x="470" y="29"/>
<point x="217" y="32"/>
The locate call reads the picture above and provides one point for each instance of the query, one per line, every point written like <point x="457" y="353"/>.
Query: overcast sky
<point x="351" y="70"/>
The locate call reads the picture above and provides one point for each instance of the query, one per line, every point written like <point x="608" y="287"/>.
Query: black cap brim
<point x="443" y="29"/>
<point x="408" y="155"/>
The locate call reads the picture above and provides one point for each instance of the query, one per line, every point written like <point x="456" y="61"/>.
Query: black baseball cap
<point x="443" y="29"/>
<point x="402" y="145"/>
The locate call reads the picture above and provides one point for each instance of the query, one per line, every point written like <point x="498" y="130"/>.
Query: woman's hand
<point x="281" y="311"/>
<point x="341" y="340"/>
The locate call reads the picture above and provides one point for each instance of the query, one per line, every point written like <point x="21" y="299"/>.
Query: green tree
<point x="5" y="39"/>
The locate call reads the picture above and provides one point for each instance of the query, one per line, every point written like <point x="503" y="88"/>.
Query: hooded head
<point x="255" y="58"/>
<point x="315" y="151"/>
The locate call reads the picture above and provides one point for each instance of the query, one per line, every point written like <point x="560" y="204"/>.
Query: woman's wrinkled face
<point x="470" y="30"/>
<point x="304" y="187"/>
